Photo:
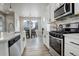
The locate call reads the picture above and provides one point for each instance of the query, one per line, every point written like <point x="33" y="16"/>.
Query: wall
<point x="49" y="14"/>
<point x="29" y="9"/>
<point x="43" y="10"/>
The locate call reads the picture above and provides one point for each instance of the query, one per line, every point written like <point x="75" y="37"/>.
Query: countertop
<point x="9" y="37"/>
<point x="74" y="35"/>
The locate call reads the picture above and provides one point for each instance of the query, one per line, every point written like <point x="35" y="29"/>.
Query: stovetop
<point x="59" y="34"/>
<point x="56" y="34"/>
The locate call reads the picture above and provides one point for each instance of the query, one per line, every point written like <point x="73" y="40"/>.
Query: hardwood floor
<point x="35" y="47"/>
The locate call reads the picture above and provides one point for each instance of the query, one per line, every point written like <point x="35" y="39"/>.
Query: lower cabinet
<point x="23" y="42"/>
<point x="4" y="48"/>
<point x="71" y="51"/>
<point x="46" y="39"/>
<point x="71" y="46"/>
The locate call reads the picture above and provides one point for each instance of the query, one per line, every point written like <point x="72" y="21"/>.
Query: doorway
<point x="31" y="26"/>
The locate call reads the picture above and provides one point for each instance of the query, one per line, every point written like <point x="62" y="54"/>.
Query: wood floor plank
<point x="35" y="47"/>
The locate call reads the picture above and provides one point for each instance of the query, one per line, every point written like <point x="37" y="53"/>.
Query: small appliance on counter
<point x="57" y="38"/>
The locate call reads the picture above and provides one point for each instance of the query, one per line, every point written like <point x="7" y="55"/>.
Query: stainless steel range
<point x="56" y="38"/>
<point x="56" y="43"/>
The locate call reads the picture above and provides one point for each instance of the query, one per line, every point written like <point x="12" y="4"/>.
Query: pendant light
<point x="10" y="9"/>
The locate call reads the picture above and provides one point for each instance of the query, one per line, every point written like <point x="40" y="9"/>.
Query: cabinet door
<point x="57" y="5"/>
<point x="4" y="49"/>
<point x="70" y="50"/>
<point x="46" y="39"/>
<point x="23" y="42"/>
<point x="76" y="8"/>
<point x="72" y="41"/>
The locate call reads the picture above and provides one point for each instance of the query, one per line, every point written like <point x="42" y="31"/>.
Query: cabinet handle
<point x="23" y="39"/>
<point x="74" y="43"/>
<point x="44" y="36"/>
<point x="55" y="38"/>
<point x="72" y="54"/>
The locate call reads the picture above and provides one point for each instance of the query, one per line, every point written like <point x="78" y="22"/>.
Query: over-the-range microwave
<point x="64" y="10"/>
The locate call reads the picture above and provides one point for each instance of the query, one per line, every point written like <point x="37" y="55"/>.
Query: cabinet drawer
<point x="68" y="39"/>
<point x="73" y="42"/>
<point x="71" y="51"/>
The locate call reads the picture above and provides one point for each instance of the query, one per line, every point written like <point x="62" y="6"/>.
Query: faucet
<point x="10" y="27"/>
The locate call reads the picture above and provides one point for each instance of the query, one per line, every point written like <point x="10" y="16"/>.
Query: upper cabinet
<point x="50" y="12"/>
<point x="1" y="7"/>
<point x="76" y="8"/>
<point x="57" y="5"/>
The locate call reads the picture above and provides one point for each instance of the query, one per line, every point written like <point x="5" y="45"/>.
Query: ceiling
<point x="28" y="9"/>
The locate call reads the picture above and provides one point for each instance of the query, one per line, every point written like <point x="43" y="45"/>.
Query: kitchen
<point x="57" y="33"/>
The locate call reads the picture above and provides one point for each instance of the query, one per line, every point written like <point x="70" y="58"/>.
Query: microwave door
<point x="60" y="11"/>
<point x="65" y="10"/>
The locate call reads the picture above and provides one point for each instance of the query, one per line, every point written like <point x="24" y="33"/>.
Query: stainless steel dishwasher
<point x="14" y="46"/>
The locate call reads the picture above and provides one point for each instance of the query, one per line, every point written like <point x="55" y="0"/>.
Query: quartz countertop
<point x="9" y="37"/>
<point x="74" y="35"/>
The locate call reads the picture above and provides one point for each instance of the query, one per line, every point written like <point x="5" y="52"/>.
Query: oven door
<point x="59" y="12"/>
<point x="56" y="46"/>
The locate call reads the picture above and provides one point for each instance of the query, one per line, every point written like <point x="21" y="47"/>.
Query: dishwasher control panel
<point x="12" y="41"/>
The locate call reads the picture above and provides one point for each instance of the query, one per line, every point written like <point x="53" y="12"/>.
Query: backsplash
<point x="68" y="20"/>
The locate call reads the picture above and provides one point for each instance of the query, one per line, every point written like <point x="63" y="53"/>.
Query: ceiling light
<point x="10" y="9"/>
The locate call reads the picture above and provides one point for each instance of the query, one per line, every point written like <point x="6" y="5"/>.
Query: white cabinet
<point x="71" y="51"/>
<point x="57" y="5"/>
<point x="76" y="8"/>
<point x="23" y="42"/>
<point x="71" y="46"/>
<point x="46" y="39"/>
<point x="1" y="7"/>
<point x="4" y="48"/>
<point x="49" y="16"/>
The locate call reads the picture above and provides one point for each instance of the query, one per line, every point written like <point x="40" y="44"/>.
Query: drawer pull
<point x="72" y="54"/>
<point x="23" y="39"/>
<point x="44" y="36"/>
<point x="74" y="43"/>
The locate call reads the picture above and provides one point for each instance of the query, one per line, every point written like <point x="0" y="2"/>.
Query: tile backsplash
<point x="68" y="20"/>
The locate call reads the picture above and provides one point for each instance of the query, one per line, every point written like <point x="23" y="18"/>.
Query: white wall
<point x="69" y="20"/>
<point x="49" y="14"/>
<point x="32" y="10"/>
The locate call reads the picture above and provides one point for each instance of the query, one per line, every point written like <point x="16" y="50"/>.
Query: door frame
<point x="21" y="18"/>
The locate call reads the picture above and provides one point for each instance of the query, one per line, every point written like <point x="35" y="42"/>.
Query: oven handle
<point x="55" y="37"/>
